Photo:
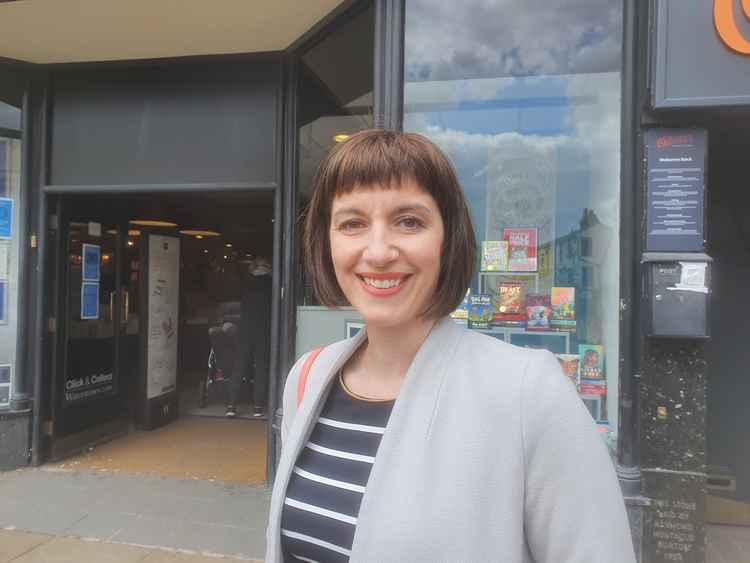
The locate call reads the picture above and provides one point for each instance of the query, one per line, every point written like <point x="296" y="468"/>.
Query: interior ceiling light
<point x="152" y="223"/>
<point x="134" y="233"/>
<point x="199" y="232"/>
<point x="228" y="245"/>
<point x="341" y="137"/>
<point x="199" y="236"/>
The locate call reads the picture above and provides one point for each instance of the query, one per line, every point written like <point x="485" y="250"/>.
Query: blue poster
<point x="89" y="300"/>
<point x="6" y="218"/>
<point x="91" y="258"/>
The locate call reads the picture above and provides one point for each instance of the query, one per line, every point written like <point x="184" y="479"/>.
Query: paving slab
<point x="14" y="544"/>
<point x="71" y="550"/>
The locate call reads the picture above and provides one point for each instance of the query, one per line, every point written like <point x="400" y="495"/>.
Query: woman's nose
<point x="380" y="249"/>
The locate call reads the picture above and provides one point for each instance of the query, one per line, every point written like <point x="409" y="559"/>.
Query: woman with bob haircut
<point x="418" y="440"/>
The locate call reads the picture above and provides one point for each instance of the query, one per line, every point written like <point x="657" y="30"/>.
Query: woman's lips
<point x="383" y="285"/>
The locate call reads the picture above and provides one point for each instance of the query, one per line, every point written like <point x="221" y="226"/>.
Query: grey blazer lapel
<point x="322" y="373"/>
<point x="410" y="422"/>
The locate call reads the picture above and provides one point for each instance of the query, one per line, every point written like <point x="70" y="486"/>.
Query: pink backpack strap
<point x="302" y="381"/>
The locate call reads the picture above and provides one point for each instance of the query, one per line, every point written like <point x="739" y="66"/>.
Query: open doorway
<point x="162" y="337"/>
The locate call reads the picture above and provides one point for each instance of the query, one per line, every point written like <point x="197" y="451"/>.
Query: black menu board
<point x="676" y="160"/>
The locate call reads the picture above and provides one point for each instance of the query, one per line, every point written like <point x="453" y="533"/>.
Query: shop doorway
<point x="728" y="386"/>
<point x="162" y="325"/>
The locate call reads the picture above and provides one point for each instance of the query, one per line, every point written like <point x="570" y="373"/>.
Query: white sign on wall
<point x="163" y="312"/>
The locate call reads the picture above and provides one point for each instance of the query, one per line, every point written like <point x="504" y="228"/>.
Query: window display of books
<point x="518" y="302"/>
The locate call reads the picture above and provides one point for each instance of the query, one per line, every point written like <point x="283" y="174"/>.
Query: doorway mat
<point x="727" y="511"/>
<point x="192" y="447"/>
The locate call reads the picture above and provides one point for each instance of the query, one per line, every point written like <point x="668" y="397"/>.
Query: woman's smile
<point x="383" y="285"/>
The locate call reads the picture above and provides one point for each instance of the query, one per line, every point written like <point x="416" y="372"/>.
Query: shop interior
<point x="222" y="331"/>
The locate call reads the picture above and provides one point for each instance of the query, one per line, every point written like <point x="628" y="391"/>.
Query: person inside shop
<point x="418" y="439"/>
<point x="255" y="332"/>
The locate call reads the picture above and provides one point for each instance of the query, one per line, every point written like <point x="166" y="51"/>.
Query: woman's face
<point x="386" y="247"/>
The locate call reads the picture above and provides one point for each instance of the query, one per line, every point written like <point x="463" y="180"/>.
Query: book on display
<point x="480" y="311"/>
<point x="592" y="362"/>
<point x="494" y="256"/>
<point x="522" y="249"/>
<point x="563" y="301"/>
<point x="571" y="366"/>
<point x="462" y="311"/>
<point x="509" y="304"/>
<point x="538" y="312"/>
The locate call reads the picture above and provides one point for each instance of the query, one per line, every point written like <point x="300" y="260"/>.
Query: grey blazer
<point x="489" y="455"/>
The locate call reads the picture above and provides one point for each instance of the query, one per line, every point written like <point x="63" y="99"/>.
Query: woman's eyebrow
<point x="407" y="208"/>
<point x="412" y="207"/>
<point x="348" y="211"/>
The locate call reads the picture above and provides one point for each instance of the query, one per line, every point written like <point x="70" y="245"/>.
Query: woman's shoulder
<point x="495" y="364"/>
<point x="493" y="350"/>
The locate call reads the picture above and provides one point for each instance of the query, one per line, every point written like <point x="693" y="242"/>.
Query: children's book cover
<point x="592" y="361"/>
<point x="494" y="256"/>
<point x="570" y="364"/>
<point x="509" y="304"/>
<point x="538" y="312"/>
<point x="522" y="249"/>
<point x="462" y="311"/>
<point x="563" y="308"/>
<point x="480" y="311"/>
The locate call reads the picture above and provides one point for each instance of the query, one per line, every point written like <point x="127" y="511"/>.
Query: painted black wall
<point x="207" y="122"/>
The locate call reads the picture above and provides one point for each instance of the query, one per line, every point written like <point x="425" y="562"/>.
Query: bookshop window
<point x="335" y="84"/>
<point x="531" y="122"/>
<point x="10" y="187"/>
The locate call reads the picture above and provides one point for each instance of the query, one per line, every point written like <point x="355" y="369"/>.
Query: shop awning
<point x="62" y="31"/>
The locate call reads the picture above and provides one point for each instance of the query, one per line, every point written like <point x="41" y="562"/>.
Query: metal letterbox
<point x="677" y="295"/>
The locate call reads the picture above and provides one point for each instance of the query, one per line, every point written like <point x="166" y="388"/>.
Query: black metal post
<point x="388" y="85"/>
<point x="39" y="326"/>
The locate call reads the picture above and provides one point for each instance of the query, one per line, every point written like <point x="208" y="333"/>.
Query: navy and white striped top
<point x="326" y="487"/>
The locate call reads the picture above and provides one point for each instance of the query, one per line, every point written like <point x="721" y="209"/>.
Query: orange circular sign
<point x="726" y="26"/>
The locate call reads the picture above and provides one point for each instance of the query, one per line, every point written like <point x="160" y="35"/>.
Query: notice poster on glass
<point x="6" y="218"/>
<point x="89" y="301"/>
<point x="5" y="375"/>
<point x="3" y="302"/>
<point x="91" y="258"/>
<point x="4" y="260"/>
<point x="163" y="312"/>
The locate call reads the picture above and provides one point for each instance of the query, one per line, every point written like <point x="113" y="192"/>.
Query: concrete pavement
<point x="195" y="516"/>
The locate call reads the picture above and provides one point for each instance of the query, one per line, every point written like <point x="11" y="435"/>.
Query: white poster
<point x="163" y="311"/>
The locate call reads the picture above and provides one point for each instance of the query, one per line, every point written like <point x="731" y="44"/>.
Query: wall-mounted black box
<point x="676" y="294"/>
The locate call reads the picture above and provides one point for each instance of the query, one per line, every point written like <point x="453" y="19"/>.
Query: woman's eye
<point x="350" y="225"/>
<point x="410" y="223"/>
